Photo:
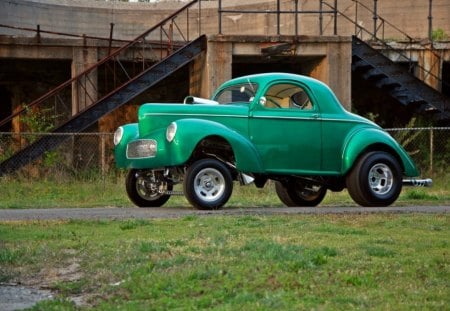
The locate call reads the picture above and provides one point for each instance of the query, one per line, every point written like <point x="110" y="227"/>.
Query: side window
<point x="237" y="94"/>
<point x="287" y="96"/>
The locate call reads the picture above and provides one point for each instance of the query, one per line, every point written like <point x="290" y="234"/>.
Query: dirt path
<point x="167" y="212"/>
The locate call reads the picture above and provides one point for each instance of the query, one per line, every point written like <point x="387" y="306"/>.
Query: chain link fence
<point x="92" y="154"/>
<point x="80" y="154"/>
<point x="429" y="147"/>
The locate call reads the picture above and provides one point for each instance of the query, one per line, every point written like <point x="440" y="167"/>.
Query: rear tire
<point x="296" y="193"/>
<point x="375" y="180"/>
<point x="146" y="188"/>
<point x="208" y="184"/>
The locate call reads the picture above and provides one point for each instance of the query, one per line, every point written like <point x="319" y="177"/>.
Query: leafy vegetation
<point x="333" y="262"/>
<point x="439" y="35"/>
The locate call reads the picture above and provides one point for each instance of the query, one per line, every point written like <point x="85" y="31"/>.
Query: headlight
<point x="118" y="134"/>
<point x="171" y="131"/>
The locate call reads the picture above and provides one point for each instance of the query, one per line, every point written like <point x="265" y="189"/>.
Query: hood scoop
<point x="197" y="100"/>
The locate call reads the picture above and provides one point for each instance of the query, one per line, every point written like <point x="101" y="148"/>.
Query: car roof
<point x="320" y="89"/>
<point x="262" y="77"/>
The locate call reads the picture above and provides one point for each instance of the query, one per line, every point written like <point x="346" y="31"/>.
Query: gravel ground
<point x="167" y="212"/>
<point x="19" y="297"/>
<point x="16" y="297"/>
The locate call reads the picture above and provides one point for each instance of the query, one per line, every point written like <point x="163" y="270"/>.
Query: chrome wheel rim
<point x="309" y="193"/>
<point x="209" y="184"/>
<point x="147" y="190"/>
<point x="381" y="179"/>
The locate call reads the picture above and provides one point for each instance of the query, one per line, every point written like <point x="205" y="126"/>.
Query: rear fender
<point x="365" y="139"/>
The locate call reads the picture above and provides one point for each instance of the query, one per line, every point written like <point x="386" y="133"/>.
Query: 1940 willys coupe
<point x="275" y="126"/>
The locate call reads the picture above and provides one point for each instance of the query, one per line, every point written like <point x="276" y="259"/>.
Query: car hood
<point x="156" y="116"/>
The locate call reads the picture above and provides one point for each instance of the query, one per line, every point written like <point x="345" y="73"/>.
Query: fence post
<point x="375" y="19"/>
<point x="335" y="17"/>
<point x="321" y="17"/>
<point x="430" y="20"/>
<point x="431" y="150"/>
<point x="296" y="18"/>
<point x="220" y="17"/>
<point x="199" y="25"/>
<point x="102" y="153"/>
<point x="278" y="17"/>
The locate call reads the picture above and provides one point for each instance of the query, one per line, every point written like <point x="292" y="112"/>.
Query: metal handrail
<point x="278" y="12"/>
<point x="38" y="32"/>
<point x="111" y="57"/>
<point x="360" y="29"/>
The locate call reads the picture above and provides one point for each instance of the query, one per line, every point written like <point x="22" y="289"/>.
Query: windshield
<point x="239" y="93"/>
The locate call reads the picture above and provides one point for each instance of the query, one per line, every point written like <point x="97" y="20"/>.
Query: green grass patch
<point x="291" y="262"/>
<point x="95" y="191"/>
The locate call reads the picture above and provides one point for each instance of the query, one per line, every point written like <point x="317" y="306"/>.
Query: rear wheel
<point x="297" y="193"/>
<point x="375" y="180"/>
<point x="208" y="184"/>
<point x="147" y="188"/>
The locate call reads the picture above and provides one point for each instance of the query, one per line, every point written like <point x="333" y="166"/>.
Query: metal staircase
<point x="397" y="82"/>
<point x="128" y="83"/>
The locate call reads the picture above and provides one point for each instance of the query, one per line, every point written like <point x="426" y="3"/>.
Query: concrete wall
<point x="327" y="57"/>
<point x="131" y="19"/>
<point x="334" y="53"/>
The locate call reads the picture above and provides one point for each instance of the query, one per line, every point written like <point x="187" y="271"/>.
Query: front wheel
<point x="208" y="184"/>
<point x="375" y="180"/>
<point x="147" y="188"/>
<point x="297" y="193"/>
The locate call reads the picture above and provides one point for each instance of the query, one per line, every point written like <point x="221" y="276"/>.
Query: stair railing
<point x="115" y="68"/>
<point x="379" y="25"/>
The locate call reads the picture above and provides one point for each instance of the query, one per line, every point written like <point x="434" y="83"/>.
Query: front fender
<point x="190" y="132"/>
<point x="364" y="139"/>
<point x="130" y="132"/>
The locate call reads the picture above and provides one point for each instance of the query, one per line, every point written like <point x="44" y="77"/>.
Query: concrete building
<point x="35" y="55"/>
<point x="44" y="43"/>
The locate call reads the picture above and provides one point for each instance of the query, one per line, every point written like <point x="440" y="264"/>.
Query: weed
<point x="10" y="256"/>
<point x="133" y="224"/>
<point x="378" y="251"/>
<point x="420" y="194"/>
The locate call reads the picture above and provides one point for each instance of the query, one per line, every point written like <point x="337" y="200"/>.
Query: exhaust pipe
<point x="418" y="182"/>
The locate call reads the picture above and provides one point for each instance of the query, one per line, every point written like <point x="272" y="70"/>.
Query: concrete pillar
<point x="335" y="70"/>
<point x="339" y="71"/>
<point x="84" y="90"/>
<point x="430" y="68"/>
<point x="217" y="68"/>
<point x="196" y="72"/>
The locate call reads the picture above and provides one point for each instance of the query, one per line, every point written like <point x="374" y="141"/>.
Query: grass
<point x="331" y="262"/>
<point x="93" y="191"/>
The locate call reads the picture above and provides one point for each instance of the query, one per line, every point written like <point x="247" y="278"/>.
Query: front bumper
<point x="418" y="182"/>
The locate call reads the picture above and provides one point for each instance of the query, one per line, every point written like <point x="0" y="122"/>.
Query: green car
<point x="275" y="126"/>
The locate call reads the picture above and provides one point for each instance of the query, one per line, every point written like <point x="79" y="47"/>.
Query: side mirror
<point x="262" y="101"/>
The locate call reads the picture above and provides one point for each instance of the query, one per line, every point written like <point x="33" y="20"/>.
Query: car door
<point x="285" y="127"/>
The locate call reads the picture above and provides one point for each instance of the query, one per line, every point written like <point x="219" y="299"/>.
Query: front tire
<point x="296" y="193"/>
<point x="375" y="180"/>
<point x="147" y="188"/>
<point x="208" y="184"/>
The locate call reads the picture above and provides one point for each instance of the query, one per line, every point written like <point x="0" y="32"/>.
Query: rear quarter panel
<point x="363" y="138"/>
